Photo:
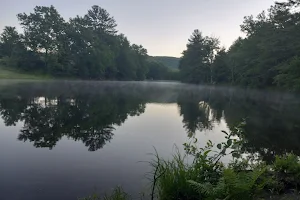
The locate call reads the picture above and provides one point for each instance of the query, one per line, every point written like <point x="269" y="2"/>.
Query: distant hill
<point x="171" y="62"/>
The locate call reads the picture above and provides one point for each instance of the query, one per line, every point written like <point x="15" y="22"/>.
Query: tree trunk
<point x="46" y="60"/>
<point x="232" y="75"/>
<point x="211" y="75"/>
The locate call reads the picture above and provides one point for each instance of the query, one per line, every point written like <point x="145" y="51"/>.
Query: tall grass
<point x="117" y="194"/>
<point x="209" y="179"/>
<point x="170" y="178"/>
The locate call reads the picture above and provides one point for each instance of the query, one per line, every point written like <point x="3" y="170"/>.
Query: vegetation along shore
<point x="90" y="47"/>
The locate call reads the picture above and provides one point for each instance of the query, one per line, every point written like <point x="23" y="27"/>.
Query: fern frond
<point x="230" y="178"/>
<point x="220" y="188"/>
<point x="256" y="174"/>
<point x="201" y="188"/>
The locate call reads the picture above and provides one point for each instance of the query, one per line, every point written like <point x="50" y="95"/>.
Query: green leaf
<point x="225" y="132"/>
<point x="219" y="146"/>
<point x="229" y="143"/>
<point x="207" y="152"/>
<point x="234" y="146"/>
<point x="236" y="155"/>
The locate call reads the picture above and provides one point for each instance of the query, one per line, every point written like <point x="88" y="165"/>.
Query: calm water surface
<point x="65" y="140"/>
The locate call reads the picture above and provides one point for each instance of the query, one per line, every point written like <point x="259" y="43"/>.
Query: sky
<point x="161" y="26"/>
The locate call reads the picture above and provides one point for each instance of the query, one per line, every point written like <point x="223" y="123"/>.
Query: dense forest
<point x="268" y="55"/>
<point x="85" y="47"/>
<point x="90" y="47"/>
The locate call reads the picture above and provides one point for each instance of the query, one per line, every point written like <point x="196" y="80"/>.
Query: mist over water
<point x="68" y="139"/>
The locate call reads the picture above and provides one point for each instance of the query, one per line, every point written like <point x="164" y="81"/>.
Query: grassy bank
<point x="7" y="73"/>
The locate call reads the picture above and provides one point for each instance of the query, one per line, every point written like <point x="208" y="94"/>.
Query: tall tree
<point x="125" y="63"/>
<point x="87" y="47"/>
<point x="91" y="55"/>
<point x="157" y="71"/>
<point x="100" y="20"/>
<point x="220" y="67"/>
<point x="140" y="54"/>
<point x="43" y="30"/>
<point x="10" y="41"/>
<point x="196" y="62"/>
<point x="271" y="40"/>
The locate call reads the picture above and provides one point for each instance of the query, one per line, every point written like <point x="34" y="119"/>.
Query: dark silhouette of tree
<point x="272" y="121"/>
<point x="87" y="118"/>
<point x="85" y="47"/>
<point x="89" y="112"/>
<point x="196" y="62"/>
<point x="196" y="113"/>
<point x="267" y="57"/>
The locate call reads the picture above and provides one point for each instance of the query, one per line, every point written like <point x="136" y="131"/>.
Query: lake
<point x="69" y="139"/>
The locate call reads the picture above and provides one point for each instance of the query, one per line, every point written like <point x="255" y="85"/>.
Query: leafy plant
<point x="117" y="194"/>
<point x="206" y="177"/>
<point x="170" y="177"/>
<point x="287" y="171"/>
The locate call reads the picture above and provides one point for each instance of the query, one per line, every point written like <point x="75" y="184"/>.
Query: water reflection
<point x="197" y="112"/>
<point x="272" y="118"/>
<point x="90" y="111"/>
<point x="88" y="117"/>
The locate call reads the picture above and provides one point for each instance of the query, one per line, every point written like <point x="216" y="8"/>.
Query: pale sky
<point x="161" y="26"/>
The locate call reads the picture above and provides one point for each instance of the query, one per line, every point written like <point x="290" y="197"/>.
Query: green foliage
<point x="233" y="185"/>
<point x="207" y="190"/>
<point x="287" y="170"/>
<point x="176" y="179"/>
<point x="9" y="73"/>
<point x="172" y="176"/>
<point x="266" y="57"/>
<point x="98" y="19"/>
<point x="271" y="41"/>
<point x="288" y="164"/>
<point x="10" y="42"/>
<point x="220" y="67"/>
<point x="289" y="76"/>
<point x="117" y="194"/>
<point x="157" y="71"/>
<point x="196" y="62"/>
<point x="87" y="47"/>
<point x="208" y="178"/>
<point x="173" y="75"/>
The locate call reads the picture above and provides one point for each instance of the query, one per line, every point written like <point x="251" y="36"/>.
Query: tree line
<point x="90" y="47"/>
<point x="268" y="55"/>
<point x="86" y="47"/>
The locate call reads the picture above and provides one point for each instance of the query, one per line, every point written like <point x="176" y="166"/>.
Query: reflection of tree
<point x="88" y="112"/>
<point x="196" y="115"/>
<point x="10" y="109"/>
<point x="272" y="121"/>
<point x="270" y="132"/>
<point x="87" y="118"/>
